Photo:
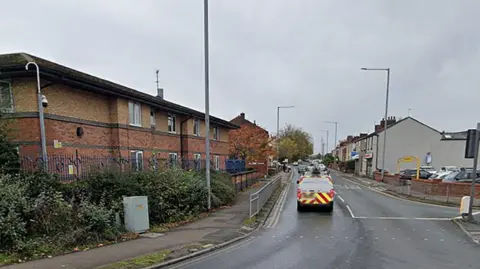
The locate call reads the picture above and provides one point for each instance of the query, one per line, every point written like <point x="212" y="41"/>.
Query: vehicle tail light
<point x="331" y="193"/>
<point x="299" y="193"/>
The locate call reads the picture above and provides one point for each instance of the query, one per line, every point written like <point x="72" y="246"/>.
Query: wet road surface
<point x="365" y="230"/>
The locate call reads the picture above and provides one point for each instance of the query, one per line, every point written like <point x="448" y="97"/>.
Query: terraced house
<point x="88" y="115"/>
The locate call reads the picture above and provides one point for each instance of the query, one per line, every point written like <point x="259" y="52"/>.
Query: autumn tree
<point x="294" y="143"/>
<point x="250" y="143"/>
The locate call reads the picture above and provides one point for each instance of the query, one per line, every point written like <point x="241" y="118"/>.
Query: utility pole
<point x="385" y="124"/>
<point x="336" y="124"/>
<point x="207" y="104"/>
<point x="278" y="128"/>
<point x="474" y="176"/>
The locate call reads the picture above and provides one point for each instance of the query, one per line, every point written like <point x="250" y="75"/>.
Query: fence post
<point x="250" y="206"/>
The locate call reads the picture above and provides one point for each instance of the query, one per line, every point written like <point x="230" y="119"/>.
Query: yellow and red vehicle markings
<point x="317" y="198"/>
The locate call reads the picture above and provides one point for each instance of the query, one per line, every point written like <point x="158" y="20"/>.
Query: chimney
<point x="160" y="93"/>
<point x="242" y="115"/>
<point x="254" y="122"/>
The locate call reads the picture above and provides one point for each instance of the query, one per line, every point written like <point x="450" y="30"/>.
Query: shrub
<point x="13" y="203"/>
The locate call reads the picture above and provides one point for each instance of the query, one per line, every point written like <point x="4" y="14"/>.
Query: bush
<point x="39" y="214"/>
<point x="13" y="203"/>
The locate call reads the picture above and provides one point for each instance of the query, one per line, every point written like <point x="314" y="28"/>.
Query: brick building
<point x="259" y="165"/>
<point x="91" y="116"/>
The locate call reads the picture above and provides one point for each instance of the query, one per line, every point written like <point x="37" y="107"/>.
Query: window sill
<point x="135" y="125"/>
<point x="172" y="132"/>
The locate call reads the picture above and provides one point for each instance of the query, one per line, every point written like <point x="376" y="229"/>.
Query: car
<point x="412" y="173"/>
<point x="302" y="168"/>
<point x="315" y="192"/>
<point x="428" y="168"/>
<point x="295" y="163"/>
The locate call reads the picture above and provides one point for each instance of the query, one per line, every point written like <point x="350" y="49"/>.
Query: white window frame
<point x="174" y="159"/>
<point x="215" y="132"/>
<point x="10" y="95"/>
<point x="196" y="127"/>
<point x="153" y="121"/>
<point x="138" y="156"/>
<point x="171" y="119"/>
<point x="216" y="162"/>
<point x="135" y="114"/>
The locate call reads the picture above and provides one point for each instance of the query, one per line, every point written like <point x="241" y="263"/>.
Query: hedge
<point x="40" y="214"/>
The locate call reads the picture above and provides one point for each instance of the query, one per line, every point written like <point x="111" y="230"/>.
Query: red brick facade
<point x="92" y="117"/>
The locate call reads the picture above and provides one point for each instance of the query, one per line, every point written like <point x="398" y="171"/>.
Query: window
<point x="172" y="158"/>
<point x="196" y="127"/>
<point x="215" y="132"/>
<point x="134" y="113"/>
<point x="171" y="123"/>
<point x="216" y="162"/>
<point x="197" y="159"/>
<point x="152" y="117"/>
<point x="136" y="160"/>
<point x="6" y="100"/>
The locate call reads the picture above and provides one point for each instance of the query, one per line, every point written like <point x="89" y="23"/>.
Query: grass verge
<point x="140" y="262"/>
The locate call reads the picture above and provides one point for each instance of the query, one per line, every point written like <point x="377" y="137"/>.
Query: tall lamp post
<point x="336" y="123"/>
<point x="207" y="104"/>
<point x="278" y="126"/>
<point x="40" y="98"/>
<point x="327" y="138"/>
<point x="386" y="114"/>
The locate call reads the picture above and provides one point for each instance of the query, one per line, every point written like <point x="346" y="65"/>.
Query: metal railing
<point x="260" y="197"/>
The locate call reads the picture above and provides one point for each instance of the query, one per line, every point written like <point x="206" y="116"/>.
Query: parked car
<point x="412" y="173"/>
<point x="429" y="169"/>
<point x="441" y="174"/>
<point x="295" y="163"/>
<point x="465" y="175"/>
<point x="449" y="168"/>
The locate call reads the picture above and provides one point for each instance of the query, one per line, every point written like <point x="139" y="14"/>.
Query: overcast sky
<point x="272" y="52"/>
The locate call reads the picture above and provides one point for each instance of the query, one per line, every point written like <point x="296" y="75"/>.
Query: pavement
<point x="220" y="226"/>
<point x="367" y="229"/>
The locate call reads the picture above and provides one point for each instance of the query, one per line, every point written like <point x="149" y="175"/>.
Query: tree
<point x="250" y="143"/>
<point x="294" y="137"/>
<point x="328" y="159"/>
<point x="287" y="149"/>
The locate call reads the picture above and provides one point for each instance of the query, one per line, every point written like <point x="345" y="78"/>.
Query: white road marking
<point x="341" y="199"/>
<point x="275" y="216"/>
<point x="350" y="210"/>
<point x="401" y="218"/>
<point x="301" y="236"/>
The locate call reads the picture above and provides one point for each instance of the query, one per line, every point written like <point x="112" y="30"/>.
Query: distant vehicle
<point x="302" y="168"/>
<point x="449" y="168"/>
<point x="440" y="175"/>
<point x="315" y="192"/>
<point x="412" y="173"/>
<point x="295" y="163"/>
<point x="429" y="169"/>
<point x="464" y="176"/>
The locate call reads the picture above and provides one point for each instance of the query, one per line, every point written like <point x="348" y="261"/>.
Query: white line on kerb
<point x="277" y="218"/>
<point x="341" y="199"/>
<point x="350" y="210"/>
<point x="400" y="218"/>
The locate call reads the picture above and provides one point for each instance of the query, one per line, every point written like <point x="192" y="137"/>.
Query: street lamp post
<point x="43" y="139"/>
<point x="327" y="138"/>
<point x="207" y="104"/>
<point x="278" y="126"/>
<point x="336" y="123"/>
<point x="385" y="122"/>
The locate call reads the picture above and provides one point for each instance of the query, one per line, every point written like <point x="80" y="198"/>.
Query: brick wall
<point x="105" y="123"/>
<point x="434" y="187"/>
